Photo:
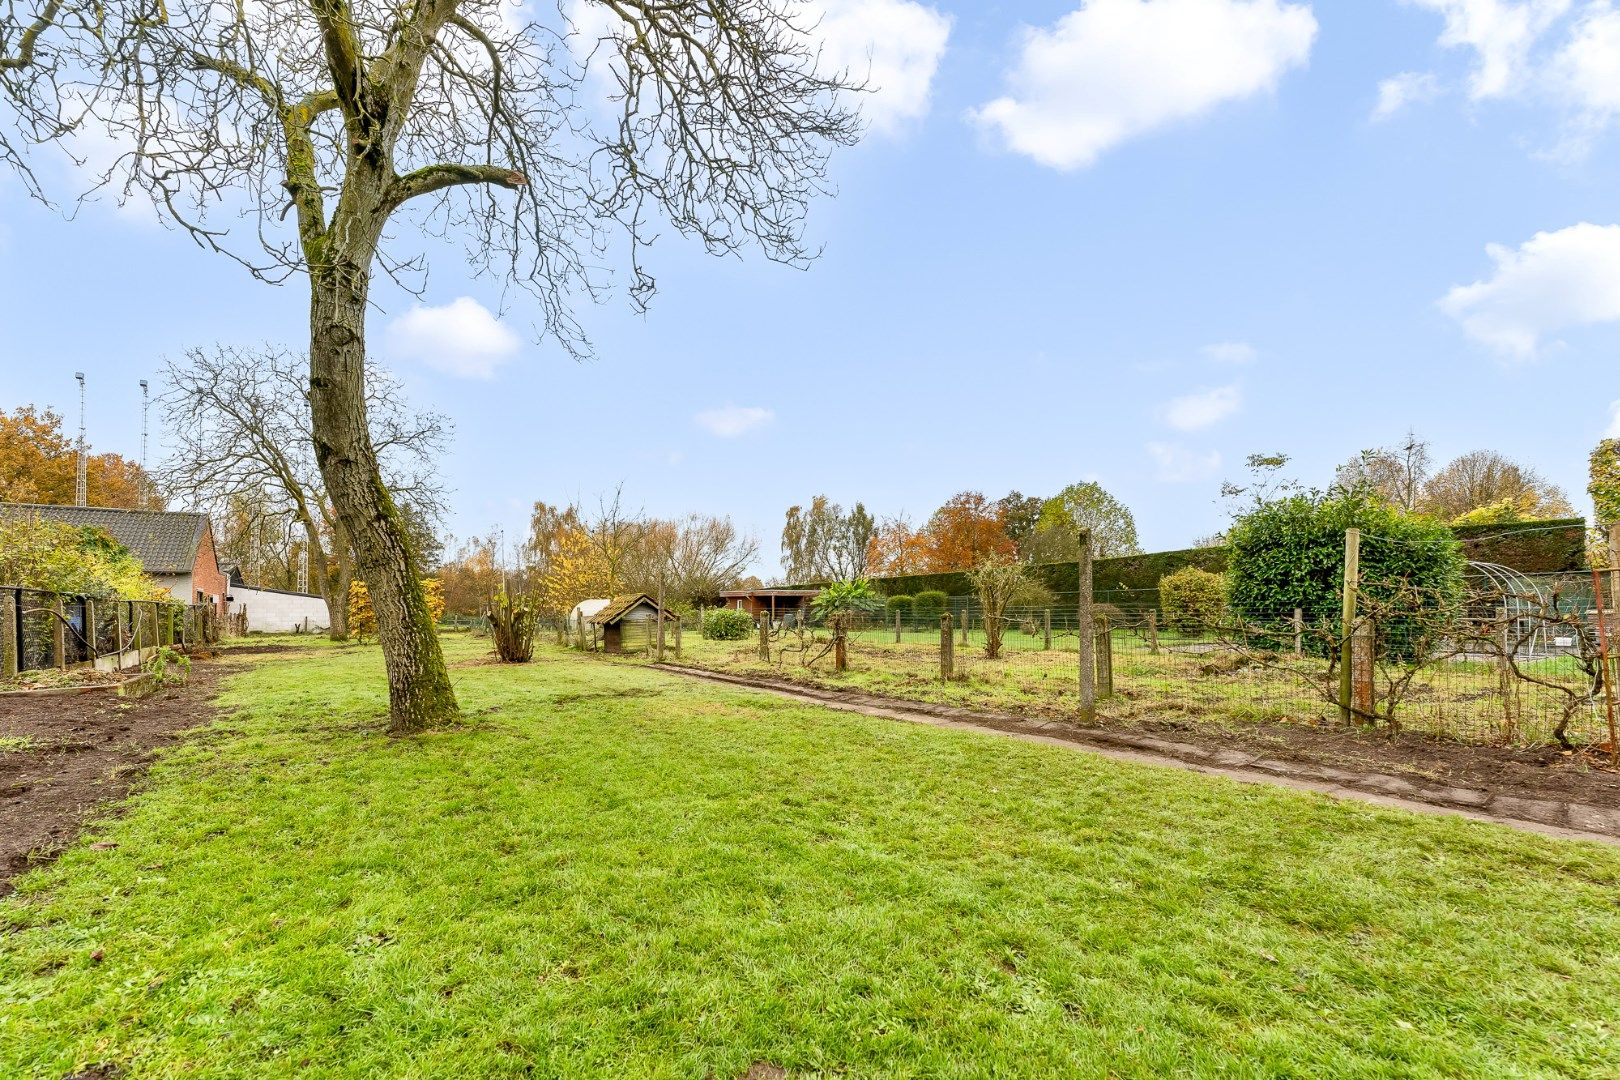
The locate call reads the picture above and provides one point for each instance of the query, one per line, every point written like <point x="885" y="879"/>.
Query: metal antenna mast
<point x="81" y="488"/>
<point x="145" y="394"/>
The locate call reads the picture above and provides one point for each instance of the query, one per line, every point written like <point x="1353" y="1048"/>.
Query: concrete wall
<point x="272" y="612"/>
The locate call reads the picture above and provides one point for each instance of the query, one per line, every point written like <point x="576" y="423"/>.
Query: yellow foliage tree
<point x="363" y="617"/>
<point x="574" y="570"/>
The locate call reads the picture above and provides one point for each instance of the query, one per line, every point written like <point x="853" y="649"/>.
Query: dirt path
<point x="1556" y="816"/>
<point x="83" y="751"/>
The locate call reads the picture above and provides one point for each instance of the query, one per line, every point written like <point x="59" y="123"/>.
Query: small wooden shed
<point x="630" y="623"/>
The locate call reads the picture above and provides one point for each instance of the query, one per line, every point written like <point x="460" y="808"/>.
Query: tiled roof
<point x="164" y="541"/>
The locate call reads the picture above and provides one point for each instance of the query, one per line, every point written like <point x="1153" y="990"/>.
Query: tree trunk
<point x="419" y="691"/>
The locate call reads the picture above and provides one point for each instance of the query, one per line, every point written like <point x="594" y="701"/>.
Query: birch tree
<point x="335" y="129"/>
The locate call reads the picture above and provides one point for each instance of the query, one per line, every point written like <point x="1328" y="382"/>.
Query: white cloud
<point x="1231" y="352"/>
<point x="1114" y="69"/>
<point x="1178" y="465"/>
<point x="731" y="421"/>
<point x="1551" y="51"/>
<point x="892" y="46"/>
<point x="1194" y="412"/>
<point x="1613" y="430"/>
<point x="461" y="338"/>
<point x="1501" y="33"/>
<point x="1587" y="69"/>
<point x="1407" y="88"/>
<point x="1554" y="280"/>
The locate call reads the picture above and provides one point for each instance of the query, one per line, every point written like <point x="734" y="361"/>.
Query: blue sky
<point x="1116" y="240"/>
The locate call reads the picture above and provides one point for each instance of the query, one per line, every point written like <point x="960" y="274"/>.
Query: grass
<point x="17" y="744"/>
<point x="1455" y="699"/>
<point x="615" y="872"/>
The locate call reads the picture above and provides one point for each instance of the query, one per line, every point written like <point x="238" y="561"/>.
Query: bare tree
<point x="698" y="556"/>
<point x="239" y="427"/>
<point x="322" y="121"/>
<point x="1397" y="474"/>
<point x="1485" y="477"/>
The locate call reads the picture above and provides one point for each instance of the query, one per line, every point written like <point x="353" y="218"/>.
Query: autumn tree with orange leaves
<point x="896" y="548"/>
<point x="39" y="464"/>
<point x="965" y="532"/>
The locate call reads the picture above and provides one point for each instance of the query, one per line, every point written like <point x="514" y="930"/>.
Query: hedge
<point x="1530" y="547"/>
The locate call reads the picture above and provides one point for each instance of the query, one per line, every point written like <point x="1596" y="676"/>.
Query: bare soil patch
<point x="80" y="751"/>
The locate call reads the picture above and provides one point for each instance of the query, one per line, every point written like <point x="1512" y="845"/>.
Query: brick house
<point x="175" y="548"/>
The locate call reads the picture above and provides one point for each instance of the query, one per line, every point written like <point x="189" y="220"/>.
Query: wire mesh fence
<point x="1519" y="662"/>
<point x="41" y="630"/>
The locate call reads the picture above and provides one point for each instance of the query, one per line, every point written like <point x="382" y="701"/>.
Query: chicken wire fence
<point x="1512" y="661"/>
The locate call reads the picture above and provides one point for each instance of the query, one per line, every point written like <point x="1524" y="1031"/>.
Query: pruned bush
<point x="1192" y="598"/>
<point x="1290" y="554"/>
<point x="900" y="605"/>
<point x="928" y="605"/>
<point x="727" y="624"/>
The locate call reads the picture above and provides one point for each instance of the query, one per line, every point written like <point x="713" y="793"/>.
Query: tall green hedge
<point x="1530" y="547"/>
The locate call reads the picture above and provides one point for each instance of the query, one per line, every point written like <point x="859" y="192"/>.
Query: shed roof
<point x="620" y="606"/>
<point x="771" y="592"/>
<point x="165" y="541"/>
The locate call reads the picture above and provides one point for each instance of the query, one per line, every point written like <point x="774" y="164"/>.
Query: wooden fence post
<point x="1047" y="628"/>
<point x="765" y="639"/>
<point x="967" y="617"/>
<point x="840" y="643"/>
<point x="660" y="618"/>
<point x="1299" y="631"/>
<point x="1105" y="659"/>
<point x="10" y="659"/>
<point x="579" y="626"/>
<point x="1153" y="632"/>
<point x="897" y="626"/>
<point x="947" y="645"/>
<point x="1086" y="623"/>
<point x="1347" y="621"/>
<point x="90" y="629"/>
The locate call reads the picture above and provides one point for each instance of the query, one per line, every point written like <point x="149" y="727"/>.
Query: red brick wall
<point x="206" y="577"/>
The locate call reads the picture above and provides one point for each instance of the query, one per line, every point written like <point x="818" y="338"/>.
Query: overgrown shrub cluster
<point x="37" y="553"/>
<point x="1192" y="598"/>
<point x="727" y="624"/>
<point x="1289" y="554"/>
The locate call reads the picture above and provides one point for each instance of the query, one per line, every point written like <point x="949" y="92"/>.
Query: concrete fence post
<point x="1299" y="631"/>
<point x="1153" y="632"/>
<point x="764" y="639"/>
<point x="1362" y="645"/>
<point x="897" y="626"/>
<point x="1046" y="621"/>
<point x="90" y="629"/>
<point x="579" y="627"/>
<point x="10" y="661"/>
<point x="1085" y="623"/>
<point x="946" y="647"/>
<point x="967" y="617"/>
<point x="58" y="632"/>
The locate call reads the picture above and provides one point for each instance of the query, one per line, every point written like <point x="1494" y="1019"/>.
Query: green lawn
<point x="615" y="872"/>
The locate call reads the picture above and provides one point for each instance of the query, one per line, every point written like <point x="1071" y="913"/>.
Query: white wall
<point x="279" y="612"/>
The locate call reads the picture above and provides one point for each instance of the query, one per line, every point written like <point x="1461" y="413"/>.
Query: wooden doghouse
<point x="630" y="623"/>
